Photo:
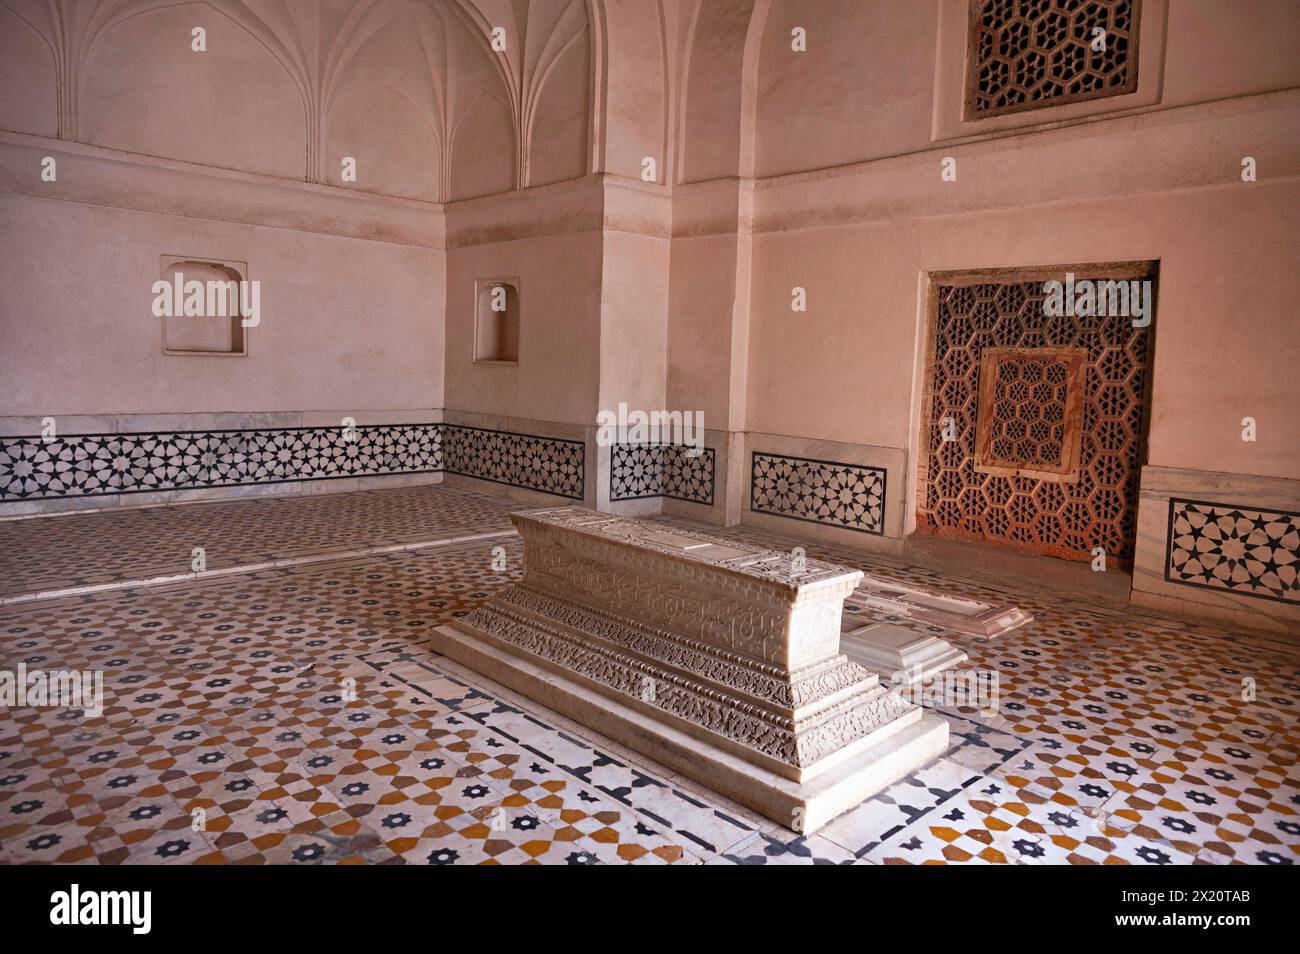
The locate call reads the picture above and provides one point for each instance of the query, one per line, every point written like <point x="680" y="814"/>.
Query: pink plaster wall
<point x="559" y="337"/>
<point x="633" y="321"/>
<point x="865" y="88"/>
<point x="353" y="296"/>
<point x="143" y="89"/>
<point x="714" y="58"/>
<point x="845" y="370"/>
<point x="1215" y="50"/>
<point x="637" y="89"/>
<point x="345" y="323"/>
<point x="700" y="325"/>
<point x="28" y="85"/>
<point x="1163" y="184"/>
<point x="861" y="91"/>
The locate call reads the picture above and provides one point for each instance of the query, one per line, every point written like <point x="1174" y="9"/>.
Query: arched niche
<point x="561" y="121"/>
<point x="144" y="89"/>
<point x="859" y="91"/>
<point x="710" y="127"/>
<point x="28" y="82"/>
<point x="395" y="148"/>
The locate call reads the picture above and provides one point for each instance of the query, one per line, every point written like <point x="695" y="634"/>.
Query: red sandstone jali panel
<point x="999" y="455"/>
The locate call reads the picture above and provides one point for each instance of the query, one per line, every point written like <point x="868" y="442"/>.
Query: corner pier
<point x="720" y="660"/>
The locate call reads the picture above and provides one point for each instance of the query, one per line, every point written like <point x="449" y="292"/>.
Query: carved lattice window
<point x="979" y="492"/>
<point x="1029" y="412"/>
<point x="1023" y="54"/>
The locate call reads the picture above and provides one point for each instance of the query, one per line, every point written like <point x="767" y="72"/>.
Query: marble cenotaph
<point x="719" y="660"/>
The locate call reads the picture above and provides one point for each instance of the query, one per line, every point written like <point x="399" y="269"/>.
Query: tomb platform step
<point x="802" y="807"/>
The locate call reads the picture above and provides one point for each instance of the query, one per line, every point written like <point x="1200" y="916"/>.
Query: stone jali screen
<point x="1069" y="484"/>
<point x="1023" y="54"/>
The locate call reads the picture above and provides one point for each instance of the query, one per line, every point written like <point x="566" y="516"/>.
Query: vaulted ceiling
<point x="413" y="91"/>
<point x="443" y="100"/>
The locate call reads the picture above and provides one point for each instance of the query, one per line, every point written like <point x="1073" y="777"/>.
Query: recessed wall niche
<point x="215" y="327"/>
<point x="496" y="321"/>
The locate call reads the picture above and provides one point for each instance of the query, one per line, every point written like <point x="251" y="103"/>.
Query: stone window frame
<point x="928" y="319"/>
<point x="973" y="65"/>
<point x="971" y="69"/>
<point x="1072" y="444"/>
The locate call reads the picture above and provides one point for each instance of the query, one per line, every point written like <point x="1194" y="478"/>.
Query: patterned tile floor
<point x="295" y="716"/>
<point x="45" y="554"/>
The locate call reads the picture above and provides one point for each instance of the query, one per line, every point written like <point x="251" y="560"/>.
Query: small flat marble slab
<point x="901" y="656"/>
<point x="961" y="615"/>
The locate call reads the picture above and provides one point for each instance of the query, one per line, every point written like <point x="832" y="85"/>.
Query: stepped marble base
<point x="801" y="807"/>
<point x="901" y="656"/>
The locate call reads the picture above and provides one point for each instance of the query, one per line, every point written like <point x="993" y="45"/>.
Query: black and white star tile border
<point x="636" y="471"/>
<point x="98" y="465"/>
<point x="687" y="476"/>
<point x="828" y="492"/>
<point x="1248" y="551"/>
<point x="549" y="464"/>
<point x="641" y="471"/>
<point x="86" y="465"/>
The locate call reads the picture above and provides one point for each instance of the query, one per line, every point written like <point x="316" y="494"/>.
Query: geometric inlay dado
<point x="1030" y="410"/>
<point x="1021" y="55"/>
<point x="1244" y="550"/>
<point x="641" y="471"/>
<point x="960" y="495"/>
<point x="98" y="465"/>
<point x="829" y="492"/>
<point x="688" y="477"/>
<point x="94" y="465"/>
<point x="549" y="464"/>
<point x="636" y="471"/>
